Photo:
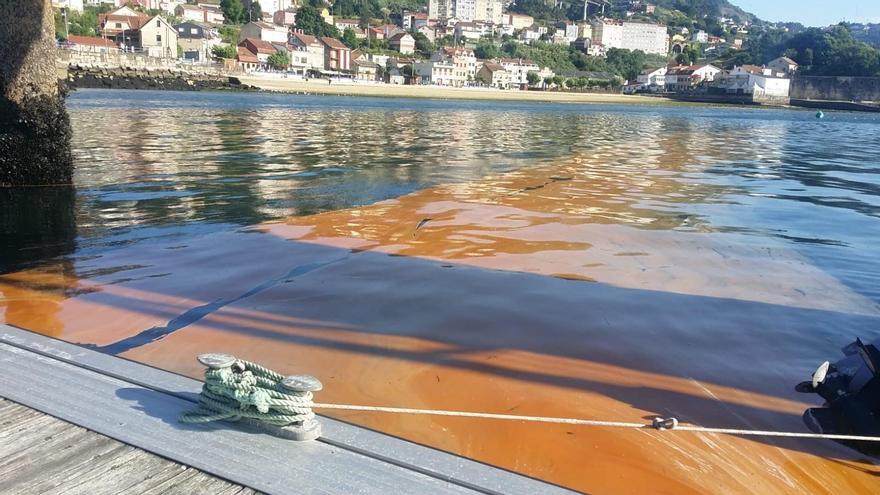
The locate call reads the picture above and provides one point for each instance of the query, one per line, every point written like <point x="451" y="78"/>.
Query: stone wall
<point x="153" y="78"/>
<point x="119" y="70"/>
<point x="73" y="58"/>
<point x="835" y="88"/>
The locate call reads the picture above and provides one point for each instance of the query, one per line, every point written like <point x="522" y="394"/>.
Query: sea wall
<point x="153" y="78"/>
<point x="731" y="99"/>
<point x="120" y="70"/>
<point x="835" y="88"/>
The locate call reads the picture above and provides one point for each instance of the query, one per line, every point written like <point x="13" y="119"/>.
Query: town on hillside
<point x="618" y="46"/>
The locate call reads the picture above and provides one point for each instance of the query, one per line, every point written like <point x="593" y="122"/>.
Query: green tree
<point x="558" y="81"/>
<point x="229" y="34"/>
<point x="279" y="60"/>
<point x="626" y="63"/>
<point x="224" y="51"/>
<point x="255" y="11"/>
<point x="423" y="44"/>
<point x="310" y="21"/>
<point x="349" y="38"/>
<point x="233" y="11"/>
<point x="548" y="81"/>
<point x="533" y="78"/>
<point x="487" y="49"/>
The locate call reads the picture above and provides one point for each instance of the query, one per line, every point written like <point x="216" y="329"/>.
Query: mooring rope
<point x="235" y="389"/>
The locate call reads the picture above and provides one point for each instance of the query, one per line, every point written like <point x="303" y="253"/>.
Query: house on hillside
<point x="652" y="79"/>
<point x="784" y="65"/>
<point x="337" y="56"/>
<point x="437" y="72"/>
<point x="307" y="51"/>
<point x="285" y="17"/>
<point x="196" y="39"/>
<point x="464" y="61"/>
<point x="262" y="49"/>
<point x="402" y="42"/>
<point x="209" y="14"/>
<point x="494" y="75"/>
<point x="686" y="77"/>
<point x="365" y="70"/>
<point x="247" y="60"/>
<point x="754" y="80"/>
<point x="518" y="70"/>
<point x="263" y="31"/>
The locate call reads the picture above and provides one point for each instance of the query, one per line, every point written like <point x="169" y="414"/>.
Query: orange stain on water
<point x="479" y="297"/>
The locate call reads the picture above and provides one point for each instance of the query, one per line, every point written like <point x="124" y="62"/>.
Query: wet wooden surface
<point x="43" y="454"/>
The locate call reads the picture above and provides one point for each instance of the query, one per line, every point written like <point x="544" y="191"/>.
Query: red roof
<point x="245" y="55"/>
<point x="133" y="21"/>
<point x="399" y="36"/>
<point x="90" y="41"/>
<point x="333" y="43"/>
<point x="259" y="45"/>
<point x="306" y="39"/>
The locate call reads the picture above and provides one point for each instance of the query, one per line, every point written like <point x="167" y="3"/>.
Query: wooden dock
<point x="123" y="402"/>
<point x="42" y="454"/>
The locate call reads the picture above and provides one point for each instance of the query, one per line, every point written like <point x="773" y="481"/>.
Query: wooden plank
<point x="148" y="419"/>
<point x="81" y="461"/>
<point x="336" y="434"/>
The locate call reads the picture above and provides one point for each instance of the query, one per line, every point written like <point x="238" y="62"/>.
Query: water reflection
<point x="610" y="262"/>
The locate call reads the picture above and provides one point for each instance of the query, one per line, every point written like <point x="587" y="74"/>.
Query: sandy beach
<point x="391" y="91"/>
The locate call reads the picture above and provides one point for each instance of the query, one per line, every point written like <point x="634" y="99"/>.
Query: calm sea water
<point x="601" y="261"/>
<point x="153" y="165"/>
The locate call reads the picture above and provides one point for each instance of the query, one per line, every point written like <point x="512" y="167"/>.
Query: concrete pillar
<point x="34" y="126"/>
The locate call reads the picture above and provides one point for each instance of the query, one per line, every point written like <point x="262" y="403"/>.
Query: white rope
<point x="666" y="424"/>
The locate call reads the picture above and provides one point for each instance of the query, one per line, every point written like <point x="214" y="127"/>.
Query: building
<point x="306" y="51"/>
<point x="341" y="24"/>
<point x="494" y="75"/>
<point x="436" y="72"/>
<point x="464" y="61"/>
<point x="122" y="26"/>
<point x="285" y="17"/>
<point x="158" y="38"/>
<point x="196" y="39"/>
<point x="687" y="77"/>
<point x="518" y="21"/>
<point x="169" y="6"/>
<point x="91" y="44"/>
<point x="134" y="31"/>
<point x="700" y="37"/>
<point x="71" y="5"/>
<point x="262" y="49"/>
<point x="784" y="65"/>
<point x="337" y="57"/>
<point x="760" y="82"/>
<point x="393" y="76"/>
<point x="263" y="31"/>
<point x="652" y="78"/>
<point x="247" y="60"/>
<point x="211" y="15"/>
<point x="472" y="30"/>
<point x="466" y="10"/>
<point x="365" y="70"/>
<point x="518" y="70"/>
<point x="402" y="42"/>
<point x="630" y="35"/>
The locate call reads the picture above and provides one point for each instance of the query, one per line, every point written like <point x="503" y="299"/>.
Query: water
<point x="594" y="261"/>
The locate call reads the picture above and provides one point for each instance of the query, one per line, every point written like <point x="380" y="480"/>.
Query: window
<point x="118" y="25"/>
<point x="158" y="38"/>
<point x="158" y="23"/>
<point x="193" y="31"/>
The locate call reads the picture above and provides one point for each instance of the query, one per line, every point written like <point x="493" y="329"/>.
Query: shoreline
<point x="295" y="86"/>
